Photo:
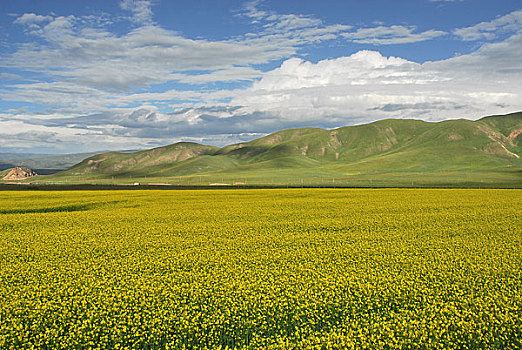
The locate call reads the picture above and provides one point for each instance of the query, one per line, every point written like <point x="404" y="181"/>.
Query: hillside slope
<point x="146" y="162"/>
<point x="394" y="150"/>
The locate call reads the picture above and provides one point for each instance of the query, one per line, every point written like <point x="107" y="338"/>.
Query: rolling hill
<point x="392" y="152"/>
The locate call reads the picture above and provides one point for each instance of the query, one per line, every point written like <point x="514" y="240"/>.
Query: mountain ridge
<point x="409" y="147"/>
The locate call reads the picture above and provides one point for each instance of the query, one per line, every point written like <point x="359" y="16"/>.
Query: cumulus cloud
<point x="97" y="81"/>
<point x="359" y="88"/>
<point x="127" y="129"/>
<point x="357" y="69"/>
<point x="79" y="53"/>
<point x="31" y="132"/>
<point x="367" y="86"/>
<point x="510" y="23"/>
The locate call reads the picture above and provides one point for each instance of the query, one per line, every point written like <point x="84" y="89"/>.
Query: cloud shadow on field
<point x="57" y="209"/>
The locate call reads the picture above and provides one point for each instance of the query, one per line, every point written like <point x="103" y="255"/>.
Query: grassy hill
<point x="384" y="153"/>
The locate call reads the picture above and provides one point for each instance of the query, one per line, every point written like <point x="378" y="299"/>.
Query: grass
<point x="316" y="177"/>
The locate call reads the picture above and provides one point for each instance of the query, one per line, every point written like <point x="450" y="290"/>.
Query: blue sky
<point x="95" y="75"/>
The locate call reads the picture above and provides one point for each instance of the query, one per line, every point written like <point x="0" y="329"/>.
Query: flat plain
<point x="256" y="269"/>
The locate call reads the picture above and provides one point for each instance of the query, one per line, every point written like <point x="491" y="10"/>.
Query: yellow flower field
<point x="258" y="269"/>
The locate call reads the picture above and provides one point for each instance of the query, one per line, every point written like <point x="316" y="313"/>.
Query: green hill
<point x="393" y="152"/>
<point x="142" y="163"/>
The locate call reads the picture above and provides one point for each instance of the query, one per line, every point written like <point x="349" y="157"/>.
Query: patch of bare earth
<point x="19" y="173"/>
<point x="498" y="149"/>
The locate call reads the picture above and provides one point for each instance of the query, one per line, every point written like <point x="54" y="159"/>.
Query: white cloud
<point x="81" y="51"/>
<point x="494" y="63"/>
<point x="309" y="29"/>
<point x="251" y="9"/>
<point x="146" y="55"/>
<point x="383" y="35"/>
<point x="31" y="18"/>
<point x="285" y="23"/>
<point x="510" y="23"/>
<point x="229" y="74"/>
<point x="367" y="86"/>
<point x="87" y="66"/>
<point x="357" y="69"/>
<point x="97" y="81"/>
<point x="289" y="29"/>
<point x="141" y="10"/>
<point x="10" y="76"/>
<point x="359" y="88"/>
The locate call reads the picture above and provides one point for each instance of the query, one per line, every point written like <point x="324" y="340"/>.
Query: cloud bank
<point x="151" y="86"/>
